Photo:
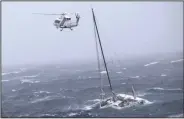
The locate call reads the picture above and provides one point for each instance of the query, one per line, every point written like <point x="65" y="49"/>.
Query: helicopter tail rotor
<point x="77" y="15"/>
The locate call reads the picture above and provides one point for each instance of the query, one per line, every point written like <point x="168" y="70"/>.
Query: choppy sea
<point x="61" y="91"/>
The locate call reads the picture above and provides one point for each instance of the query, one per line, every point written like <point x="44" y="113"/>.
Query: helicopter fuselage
<point x="60" y="25"/>
<point x="66" y="22"/>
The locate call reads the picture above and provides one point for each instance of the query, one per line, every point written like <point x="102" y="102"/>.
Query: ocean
<point x="69" y="91"/>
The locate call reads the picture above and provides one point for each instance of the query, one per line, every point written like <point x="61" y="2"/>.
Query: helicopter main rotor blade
<point x="54" y="14"/>
<point x="46" y="14"/>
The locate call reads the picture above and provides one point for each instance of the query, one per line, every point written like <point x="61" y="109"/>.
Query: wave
<point x="163" y="75"/>
<point x="72" y="114"/>
<point x="48" y="98"/>
<point x="142" y="94"/>
<point x="14" y="72"/>
<point x="28" y="81"/>
<point x="41" y="99"/>
<point x="77" y="113"/>
<point x="119" y="72"/>
<point x="174" y="61"/>
<point x="13" y="90"/>
<point x="162" y="89"/>
<point x="36" y="81"/>
<point x="94" y="100"/>
<point x="82" y="78"/>
<point x="135" y="77"/>
<point x="104" y="72"/>
<point x="68" y="97"/>
<point x="90" y="102"/>
<point x="157" y="88"/>
<point x="90" y="88"/>
<point x="8" y="73"/>
<point x="123" y="83"/>
<point x="176" y="115"/>
<point x="68" y="90"/>
<point x="5" y="80"/>
<point x="152" y="63"/>
<point x="47" y="115"/>
<point x="43" y="92"/>
<point x="23" y="69"/>
<point x="32" y="76"/>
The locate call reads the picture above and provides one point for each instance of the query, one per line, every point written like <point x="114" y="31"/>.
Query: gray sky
<point x="127" y="28"/>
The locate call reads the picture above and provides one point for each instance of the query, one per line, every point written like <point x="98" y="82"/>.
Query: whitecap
<point x="13" y="90"/>
<point x="41" y="99"/>
<point x="26" y="81"/>
<point x="152" y="63"/>
<point x="87" y="108"/>
<point x="47" y="115"/>
<point x="135" y="77"/>
<point x="172" y="89"/>
<point x="5" y="80"/>
<point x="32" y="76"/>
<point x="174" y="61"/>
<point x="104" y="72"/>
<point x="15" y="72"/>
<point x="118" y="72"/>
<point x="177" y="115"/>
<point x="157" y="88"/>
<point x="163" y="75"/>
<point x="36" y="81"/>
<point x="72" y="114"/>
<point x="142" y="94"/>
<point x="4" y="74"/>
<point x="43" y="92"/>
<point x="94" y="100"/>
<point x="69" y="107"/>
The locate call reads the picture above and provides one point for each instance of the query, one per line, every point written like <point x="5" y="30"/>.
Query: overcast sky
<point x="131" y="28"/>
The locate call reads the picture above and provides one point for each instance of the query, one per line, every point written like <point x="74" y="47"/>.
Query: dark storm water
<point x="56" y="91"/>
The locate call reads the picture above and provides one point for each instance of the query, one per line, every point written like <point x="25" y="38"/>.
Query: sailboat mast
<point x="98" y="59"/>
<point x="102" y="51"/>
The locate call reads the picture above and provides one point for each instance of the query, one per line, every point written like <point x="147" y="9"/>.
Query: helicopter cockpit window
<point x="68" y="18"/>
<point x="56" y="21"/>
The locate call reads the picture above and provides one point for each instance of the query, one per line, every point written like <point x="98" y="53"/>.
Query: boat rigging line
<point x="94" y="20"/>
<point x="99" y="69"/>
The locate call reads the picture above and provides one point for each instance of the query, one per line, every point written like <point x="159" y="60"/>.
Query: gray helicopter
<point x="64" y="21"/>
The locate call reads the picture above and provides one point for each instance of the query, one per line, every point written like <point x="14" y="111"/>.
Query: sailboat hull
<point x="122" y="101"/>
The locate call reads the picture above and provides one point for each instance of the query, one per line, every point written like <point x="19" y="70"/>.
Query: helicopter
<point x="64" y="21"/>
